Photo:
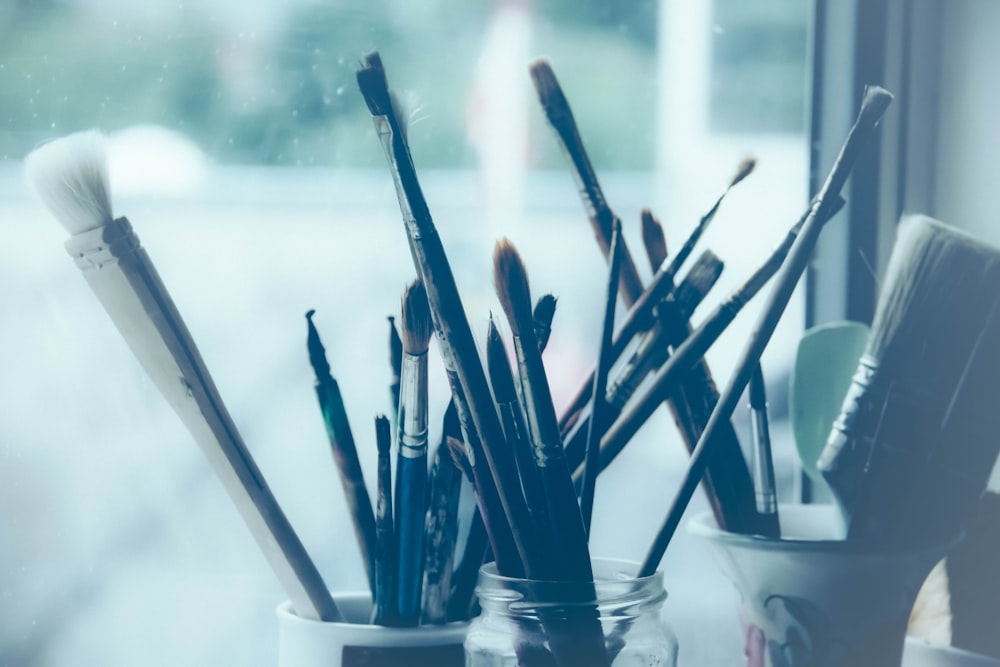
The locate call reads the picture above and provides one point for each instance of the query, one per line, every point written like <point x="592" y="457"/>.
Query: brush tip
<point x="416" y="319"/>
<point x="511" y="281"/>
<point x="545" y="310"/>
<point x="547" y="86"/>
<point x="457" y="450"/>
<point x="374" y="86"/>
<point x="70" y="177"/>
<point x="310" y="313"/>
<point x="747" y="165"/>
<point x="874" y="103"/>
<point x="383" y="435"/>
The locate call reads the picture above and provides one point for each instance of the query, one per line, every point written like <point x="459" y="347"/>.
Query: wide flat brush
<point x="910" y="454"/>
<point x="345" y="453"/>
<point x="545" y="311"/>
<point x="560" y="117"/>
<point x="654" y="240"/>
<point x="876" y="101"/>
<point x="70" y="176"/>
<point x="411" y="457"/>
<point x="483" y="434"/>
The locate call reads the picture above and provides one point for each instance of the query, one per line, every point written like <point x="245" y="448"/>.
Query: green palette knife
<point x="824" y="363"/>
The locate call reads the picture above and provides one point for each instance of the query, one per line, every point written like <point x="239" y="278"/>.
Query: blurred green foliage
<point x="273" y="83"/>
<point x="282" y="90"/>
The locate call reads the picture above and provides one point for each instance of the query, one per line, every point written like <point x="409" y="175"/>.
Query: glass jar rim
<point x="621" y="565"/>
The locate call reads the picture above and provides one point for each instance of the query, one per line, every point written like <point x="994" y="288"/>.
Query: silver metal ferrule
<point x="102" y="247"/>
<point x="413" y="407"/>
<point x="763" y="468"/>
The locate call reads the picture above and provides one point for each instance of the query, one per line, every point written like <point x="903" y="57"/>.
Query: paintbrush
<point x="745" y="168"/>
<point x="516" y="430"/>
<point x="483" y="434"/>
<point x="910" y="455"/>
<point x="575" y="636"/>
<point x="70" y="176"/>
<point x="876" y="101"/>
<point x="511" y="282"/>
<point x="411" y="459"/>
<point x="688" y="353"/>
<point x="654" y="240"/>
<point x="545" y="310"/>
<point x="384" y="601"/>
<point x="599" y="408"/>
<point x="763" y="467"/>
<point x="560" y="117"/>
<point x="345" y="453"/>
<point x="442" y="524"/>
<point x="395" y="364"/>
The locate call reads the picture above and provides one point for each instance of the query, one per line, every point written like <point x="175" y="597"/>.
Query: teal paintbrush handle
<point x="411" y="506"/>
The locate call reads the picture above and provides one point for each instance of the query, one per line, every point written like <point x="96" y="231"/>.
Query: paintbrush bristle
<point x="317" y="353"/>
<point x="745" y="169"/>
<point x="457" y="450"/>
<point x="374" y="85"/>
<point x="544" y="313"/>
<point x="70" y="177"/>
<point x="873" y="105"/>
<point x="511" y="281"/>
<point x="654" y="239"/>
<point x="550" y="94"/>
<point x="416" y="319"/>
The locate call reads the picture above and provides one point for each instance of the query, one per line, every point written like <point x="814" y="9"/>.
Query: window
<point x="243" y="154"/>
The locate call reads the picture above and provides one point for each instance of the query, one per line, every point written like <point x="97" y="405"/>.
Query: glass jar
<point x="614" y="621"/>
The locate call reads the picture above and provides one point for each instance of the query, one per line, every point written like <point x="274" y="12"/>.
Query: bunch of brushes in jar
<point x="534" y="470"/>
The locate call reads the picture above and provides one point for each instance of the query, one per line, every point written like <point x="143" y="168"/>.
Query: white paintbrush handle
<point x="125" y="281"/>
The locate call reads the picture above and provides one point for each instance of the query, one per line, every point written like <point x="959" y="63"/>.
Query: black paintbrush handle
<point x="345" y="455"/>
<point x="410" y="499"/>
<point x="384" y="601"/>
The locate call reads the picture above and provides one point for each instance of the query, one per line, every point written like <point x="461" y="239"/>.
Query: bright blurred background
<point x="244" y="156"/>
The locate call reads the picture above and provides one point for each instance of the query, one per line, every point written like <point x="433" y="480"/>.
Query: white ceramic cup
<point x="356" y="643"/>
<point x="812" y="599"/>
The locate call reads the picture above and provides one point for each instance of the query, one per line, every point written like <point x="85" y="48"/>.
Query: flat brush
<point x="545" y="310"/>
<point x="876" y="101"/>
<point x="483" y="434"/>
<point x="70" y="177"/>
<point x="745" y="168"/>
<point x="345" y="452"/>
<point x="560" y="117"/>
<point x="511" y="281"/>
<point x="909" y="456"/>
<point x="654" y="240"/>
<point x="386" y="557"/>
<point x="763" y="467"/>
<point x="411" y="460"/>
<point x="599" y="408"/>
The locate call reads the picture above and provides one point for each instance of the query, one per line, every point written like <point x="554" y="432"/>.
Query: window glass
<point x="244" y="156"/>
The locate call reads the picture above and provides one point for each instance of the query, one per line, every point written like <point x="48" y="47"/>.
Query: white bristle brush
<point x="70" y="177"/>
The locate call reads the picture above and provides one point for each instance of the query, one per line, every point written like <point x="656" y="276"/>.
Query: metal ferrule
<point x="544" y="450"/>
<point x="413" y="407"/>
<point x="763" y="469"/>
<point x="104" y="246"/>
